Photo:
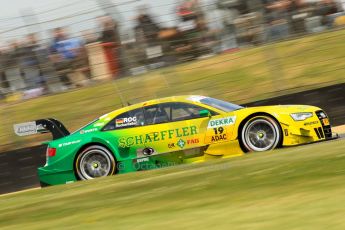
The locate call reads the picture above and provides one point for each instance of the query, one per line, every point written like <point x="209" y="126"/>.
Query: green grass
<point x="293" y="188"/>
<point x="249" y="75"/>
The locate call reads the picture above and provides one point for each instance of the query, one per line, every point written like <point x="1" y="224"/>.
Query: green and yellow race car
<point x="171" y="131"/>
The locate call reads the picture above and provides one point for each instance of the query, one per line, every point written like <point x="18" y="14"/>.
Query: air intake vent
<point x="326" y="131"/>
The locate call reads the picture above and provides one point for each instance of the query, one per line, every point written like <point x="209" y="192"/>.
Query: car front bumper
<point x="312" y="130"/>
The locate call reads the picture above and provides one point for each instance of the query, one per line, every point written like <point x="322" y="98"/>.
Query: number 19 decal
<point x="219" y="135"/>
<point x="218" y="131"/>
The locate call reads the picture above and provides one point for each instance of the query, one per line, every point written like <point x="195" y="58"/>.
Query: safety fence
<point x="100" y="78"/>
<point x="36" y="66"/>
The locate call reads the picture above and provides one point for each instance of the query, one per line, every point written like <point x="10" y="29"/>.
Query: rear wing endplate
<point x="55" y="127"/>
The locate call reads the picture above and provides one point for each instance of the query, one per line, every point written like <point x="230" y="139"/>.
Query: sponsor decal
<point x="99" y="124"/>
<point x="193" y="141"/>
<point x="141" y="160"/>
<point x="325" y="121"/>
<point x="25" y="129"/>
<point x="124" y="122"/>
<point x="88" y="131"/>
<point x="69" y="143"/>
<point x="311" y="123"/>
<point x="221" y="137"/>
<point x="171" y="145"/>
<point x="227" y="121"/>
<point x="157" y="136"/>
<point x="181" y="143"/>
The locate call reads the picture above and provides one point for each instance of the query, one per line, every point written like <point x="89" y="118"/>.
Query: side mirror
<point x="205" y="113"/>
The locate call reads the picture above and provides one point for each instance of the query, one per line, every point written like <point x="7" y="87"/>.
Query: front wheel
<point x="95" y="161"/>
<point x="260" y="133"/>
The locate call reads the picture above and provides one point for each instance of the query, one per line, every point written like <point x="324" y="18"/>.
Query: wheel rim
<point x="94" y="163"/>
<point x="261" y="135"/>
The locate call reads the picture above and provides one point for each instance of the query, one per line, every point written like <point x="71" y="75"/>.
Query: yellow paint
<point x="224" y="142"/>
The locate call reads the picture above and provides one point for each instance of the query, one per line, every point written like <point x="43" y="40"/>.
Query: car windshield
<point x="219" y="104"/>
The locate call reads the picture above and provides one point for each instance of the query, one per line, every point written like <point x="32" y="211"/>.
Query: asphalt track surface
<point x="18" y="169"/>
<point x="21" y="174"/>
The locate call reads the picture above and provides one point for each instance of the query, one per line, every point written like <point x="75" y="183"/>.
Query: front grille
<point x="326" y="130"/>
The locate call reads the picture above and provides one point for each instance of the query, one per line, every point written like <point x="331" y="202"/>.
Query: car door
<point x="220" y="129"/>
<point x="127" y="132"/>
<point x="219" y="133"/>
<point x="185" y="131"/>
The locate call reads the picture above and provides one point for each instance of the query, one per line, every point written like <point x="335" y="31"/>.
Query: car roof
<point x="185" y="98"/>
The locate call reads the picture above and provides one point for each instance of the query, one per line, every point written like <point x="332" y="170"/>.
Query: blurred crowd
<point x="33" y="68"/>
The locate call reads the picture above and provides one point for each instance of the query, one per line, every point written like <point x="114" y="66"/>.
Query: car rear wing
<point x="55" y="127"/>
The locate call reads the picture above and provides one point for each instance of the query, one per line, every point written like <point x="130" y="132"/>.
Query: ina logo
<point x="181" y="143"/>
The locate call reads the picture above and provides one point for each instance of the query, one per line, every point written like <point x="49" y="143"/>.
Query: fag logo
<point x="181" y="143"/>
<point x="193" y="141"/>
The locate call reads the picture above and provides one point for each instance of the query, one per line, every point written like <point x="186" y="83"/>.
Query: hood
<point x="288" y="109"/>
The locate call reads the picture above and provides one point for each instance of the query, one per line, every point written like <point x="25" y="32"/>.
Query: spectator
<point x="30" y="63"/>
<point x="4" y="85"/>
<point x="109" y="31"/>
<point x="193" y="31"/>
<point x="230" y="13"/>
<point x="147" y="33"/>
<point x="342" y="4"/>
<point x="277" y="18"/>
<point x="325" y="8"/>
<point x="249" y="24"/>
<point x="191" y="9"/>
<point x="110" y="34"/>
<point x="13" y="68"/>
<point x="299" y="11"/>
<point x="147" y="26"/>
<point x="64" y="53"/>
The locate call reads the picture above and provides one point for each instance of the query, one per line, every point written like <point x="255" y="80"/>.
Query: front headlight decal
<point x="301" y="116"/>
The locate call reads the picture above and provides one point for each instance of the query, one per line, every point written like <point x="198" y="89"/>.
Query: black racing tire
<point x="260" y="133"/>
<point x="93" y="162"/>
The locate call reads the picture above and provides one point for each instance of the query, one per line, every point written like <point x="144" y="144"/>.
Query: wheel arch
<point x="244" y="121"/>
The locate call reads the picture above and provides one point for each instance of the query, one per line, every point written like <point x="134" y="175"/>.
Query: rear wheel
<point x="260" y="133"/>
<point x="95" y="161"/>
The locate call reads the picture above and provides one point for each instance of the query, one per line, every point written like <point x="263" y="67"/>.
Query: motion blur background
<point x="76" y="60"/>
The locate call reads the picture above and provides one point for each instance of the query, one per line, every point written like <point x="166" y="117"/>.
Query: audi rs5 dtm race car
<point x="170" y="131"/>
